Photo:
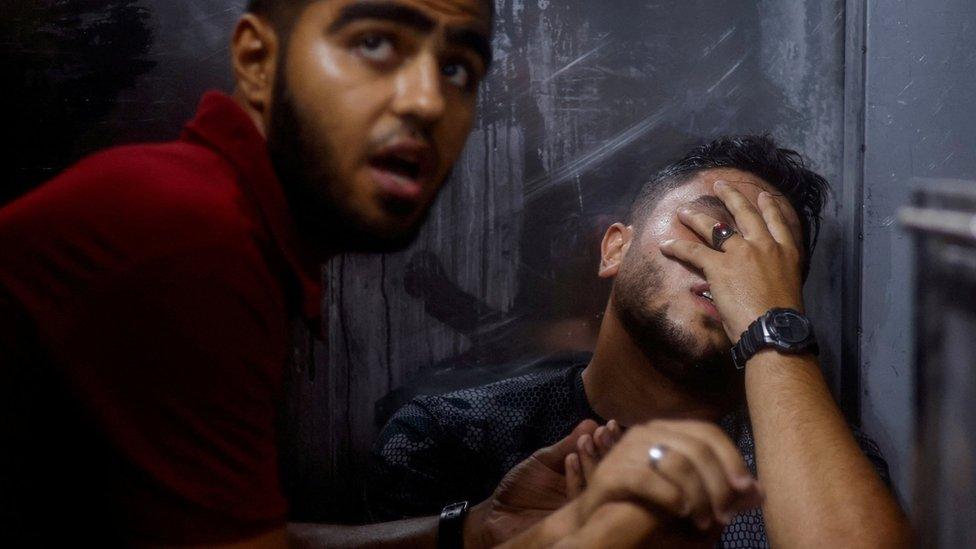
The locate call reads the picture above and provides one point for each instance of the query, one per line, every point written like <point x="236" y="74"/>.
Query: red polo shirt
<point x="145" y="295"/>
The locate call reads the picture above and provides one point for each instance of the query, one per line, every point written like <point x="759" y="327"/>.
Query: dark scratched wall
<point x="585" y="99"/>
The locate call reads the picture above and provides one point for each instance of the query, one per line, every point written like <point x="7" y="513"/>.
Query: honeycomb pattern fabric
<point x="442" y="449"/>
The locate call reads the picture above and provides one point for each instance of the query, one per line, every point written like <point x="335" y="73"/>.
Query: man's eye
<point x="375" y="47"/>
<point x="457" y="74"/>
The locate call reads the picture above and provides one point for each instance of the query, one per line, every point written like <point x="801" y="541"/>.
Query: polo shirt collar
<point x="222" y="125"/>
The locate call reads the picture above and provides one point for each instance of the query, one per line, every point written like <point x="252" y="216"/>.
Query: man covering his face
<point x="715" y="242"/>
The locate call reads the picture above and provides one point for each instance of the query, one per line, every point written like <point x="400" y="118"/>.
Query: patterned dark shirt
<point x="457" y="447"/>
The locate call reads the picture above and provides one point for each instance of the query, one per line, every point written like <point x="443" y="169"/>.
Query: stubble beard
<point x="307" y="171"/>
<point x="671" y="349"/>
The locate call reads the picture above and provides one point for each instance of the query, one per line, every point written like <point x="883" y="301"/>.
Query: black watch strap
<point x="450" y="531"/>
<point x="750" y="343"/>
<point x="786" y="330"/>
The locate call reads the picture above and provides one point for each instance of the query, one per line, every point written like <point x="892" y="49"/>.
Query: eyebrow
<point x="713" y="204"/>
<point x="385" y="11"/>
<point x="464" y="37"/>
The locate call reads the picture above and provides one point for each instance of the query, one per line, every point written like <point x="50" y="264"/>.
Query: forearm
<point x="616" y="525"/>
<point x="415" y="533"/>
<point x="821" y="489"/>
<point x="548" y="531"/>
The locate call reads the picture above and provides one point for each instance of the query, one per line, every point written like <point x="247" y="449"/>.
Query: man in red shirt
<point x="145" y="293"/>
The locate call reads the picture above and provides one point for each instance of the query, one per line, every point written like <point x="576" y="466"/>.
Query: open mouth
<point x="704" y="292"/>
<point x="403" y="171"/>
<point x="400" y="166"/>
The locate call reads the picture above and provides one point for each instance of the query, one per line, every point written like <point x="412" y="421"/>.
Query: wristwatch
<point x="786" y="330"/>
<point x="450" y="530"/>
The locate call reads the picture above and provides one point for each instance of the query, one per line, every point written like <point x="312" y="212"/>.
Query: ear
<point x="615" y="244"/>
<point x="254" y="52"/>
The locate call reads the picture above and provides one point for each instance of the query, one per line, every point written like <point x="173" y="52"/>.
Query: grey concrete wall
<point x="920" y="127"/>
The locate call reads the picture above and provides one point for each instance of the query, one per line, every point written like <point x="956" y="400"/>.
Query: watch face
<point x="788" y="327"/>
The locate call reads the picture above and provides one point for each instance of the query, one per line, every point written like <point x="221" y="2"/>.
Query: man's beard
<point x="671" y="349"/>
<point x="306" y="169"/>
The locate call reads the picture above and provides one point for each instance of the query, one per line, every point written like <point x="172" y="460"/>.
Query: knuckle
<point x="634" y="484"/>
<point x="699" y="449"/>
<point x="679" y="505"/>
<point x="682" y="465"/>
<point x="670" y="497"/>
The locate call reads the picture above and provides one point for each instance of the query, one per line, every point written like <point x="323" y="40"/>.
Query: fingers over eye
<point x="747" y="217"/>
<point x="693" y="253"/>
<point x="775" y="221"/>
<point x="699" y="222"/>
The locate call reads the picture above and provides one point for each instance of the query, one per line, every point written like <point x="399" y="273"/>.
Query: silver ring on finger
<point x="720" y="233"/>
<point x="656" y="453"/>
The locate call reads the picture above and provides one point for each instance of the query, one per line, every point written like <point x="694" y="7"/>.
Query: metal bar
<point x="855" y="101"/>
<point x="948" y="223"/>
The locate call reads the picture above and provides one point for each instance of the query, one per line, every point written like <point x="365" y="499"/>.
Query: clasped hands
<point x="598" y="488"/>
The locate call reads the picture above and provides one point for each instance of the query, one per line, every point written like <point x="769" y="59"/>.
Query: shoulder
<point x="122" y="209"/>
<point x="500" y="419"/>
<point x="509" y="399"/>
<point x="122" y="213"/>
<point x="153" y="194"/>
<point x="456" y="446"/>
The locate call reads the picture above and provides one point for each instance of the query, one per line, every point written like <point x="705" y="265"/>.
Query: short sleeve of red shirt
<point x="152" y="292"/>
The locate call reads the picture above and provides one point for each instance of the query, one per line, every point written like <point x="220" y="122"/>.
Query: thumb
<point x="554" y="457"/>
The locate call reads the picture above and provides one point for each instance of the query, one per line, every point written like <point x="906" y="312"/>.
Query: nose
<point x="418" y="90"/>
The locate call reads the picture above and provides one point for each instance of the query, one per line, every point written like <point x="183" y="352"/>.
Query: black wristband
<point x="785" y="330"/>
<point x="450" y="531"/>
<point x="750" y="343"/>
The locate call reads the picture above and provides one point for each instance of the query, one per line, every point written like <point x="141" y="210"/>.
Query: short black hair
<point x="282" y="13"/>
<point x="784" y="169"/>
